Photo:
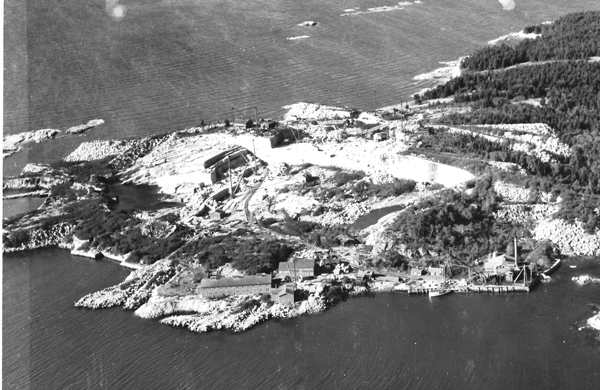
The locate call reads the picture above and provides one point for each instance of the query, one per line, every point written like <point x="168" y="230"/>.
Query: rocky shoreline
<point x="582" y="280"/>
<point x="594" y="322"/>
<point x="134" y="291"/>
<point x="44" y="238"/>
<point x="11" y="143"/>
<point x="98" y="254"/>
<point x="326" y="178"/>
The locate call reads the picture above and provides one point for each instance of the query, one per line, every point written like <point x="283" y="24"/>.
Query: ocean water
<point x="12" y="207"/>
<point x="387" y="340"/>
<point x="168" y="64"/>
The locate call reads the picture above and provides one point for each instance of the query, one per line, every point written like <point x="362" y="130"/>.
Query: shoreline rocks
<point x="96" y="150"/>
<point x="80" y="129"/>
<point x="11" y="143"/>
<point x="582" y="280"/>
<point x="222" y="316"/>
<point x="134" y="291"/>
<point x="594" y="322"/>
<point x="44" y="238"/>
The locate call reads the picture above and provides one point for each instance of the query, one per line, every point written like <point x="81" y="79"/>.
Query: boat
<point x="444" y="288"/>
<point x="438" y="292"/>
<point x="552" y="268"/>
<point x="544" y="278"/>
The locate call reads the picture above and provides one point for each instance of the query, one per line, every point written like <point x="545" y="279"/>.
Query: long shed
<point x="246" y="285"/>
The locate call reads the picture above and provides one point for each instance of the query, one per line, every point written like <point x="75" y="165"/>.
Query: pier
<point x="485" y="288"/>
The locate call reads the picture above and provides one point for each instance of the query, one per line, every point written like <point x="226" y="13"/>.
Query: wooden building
<point x="381" y="136"/>
<point x="269" y="125"/>
<point x="496" y="265"/>
<point x="416" y="271"/>
<point x="246" y="285"/>
<point x="435" y="271"/>
<point x="243" y="123"/>
<point x="284" y="295"/>
<point x="302" y="268"/>
<point x="284" y="136"/>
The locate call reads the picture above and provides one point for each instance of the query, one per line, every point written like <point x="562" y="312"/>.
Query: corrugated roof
<point x="252" y="280"/>
<point x="301" y="263"/>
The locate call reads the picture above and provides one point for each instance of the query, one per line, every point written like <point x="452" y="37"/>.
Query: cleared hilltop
<point x="493" y="154"/>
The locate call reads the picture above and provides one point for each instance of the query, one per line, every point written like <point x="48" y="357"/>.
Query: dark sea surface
<point x="373" y="217"/>
<point x="384" y="341"/>
<point x="167" y="65"/>
<point x="142" y="197"/>
<point x="12" y="207"/>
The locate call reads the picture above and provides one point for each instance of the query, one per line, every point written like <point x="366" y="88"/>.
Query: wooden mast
<point x="516" y="254"/>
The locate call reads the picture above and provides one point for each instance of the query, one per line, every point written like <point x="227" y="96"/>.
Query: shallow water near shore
<point x="386" y="340"/>
<point x="12" y="207"/>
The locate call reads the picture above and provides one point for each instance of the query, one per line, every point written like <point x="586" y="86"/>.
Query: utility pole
<point x="374" y="102"/>
<point x="230" y="178"/>
<point x="233" y="113"/>
<point x="255" y="114"/>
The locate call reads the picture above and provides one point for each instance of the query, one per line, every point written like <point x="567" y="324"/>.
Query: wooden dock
<point x="486" y="288"/>
<point x="498" y="289"/>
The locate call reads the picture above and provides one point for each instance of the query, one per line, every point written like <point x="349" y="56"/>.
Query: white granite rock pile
<point x="569" y="237"/>
<point x="96" y="150"/>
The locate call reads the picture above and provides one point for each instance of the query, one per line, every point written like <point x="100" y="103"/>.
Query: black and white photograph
<point x="301" y="194"/>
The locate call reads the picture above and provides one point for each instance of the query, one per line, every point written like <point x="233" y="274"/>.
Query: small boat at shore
<point x="544" y="278"/>
<point x="438" y="292"/>
<point x="444" y="288"/>
<point x="552" y="268"/>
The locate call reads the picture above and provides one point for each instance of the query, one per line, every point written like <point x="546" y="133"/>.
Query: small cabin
<point x="284" y="295"/>
<point x="302" y="268"/>
<point x="269" y="125"/>
<point x="243" y="123"/>
<point x="416" y="271"/>
<point x="381" y="136"/>
<point x="435" y="271"/>
<point x="284" y="136"/>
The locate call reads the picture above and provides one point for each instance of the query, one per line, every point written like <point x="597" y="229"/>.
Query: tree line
<point x="574" y="36"/>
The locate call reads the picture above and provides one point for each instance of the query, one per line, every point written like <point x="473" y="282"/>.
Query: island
<point x="483" y="184"/>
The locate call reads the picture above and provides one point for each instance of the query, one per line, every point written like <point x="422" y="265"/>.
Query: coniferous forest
<point x="553" y="79"/>
<point x="568" y="91"/>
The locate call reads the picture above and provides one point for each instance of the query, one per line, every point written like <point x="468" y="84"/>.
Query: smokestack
<point x="516" y="264"/>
